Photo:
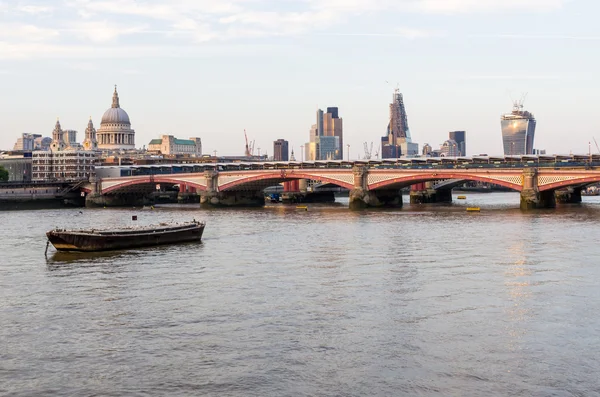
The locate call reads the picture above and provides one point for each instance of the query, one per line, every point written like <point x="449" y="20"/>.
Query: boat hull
<point x="90" y="241"/>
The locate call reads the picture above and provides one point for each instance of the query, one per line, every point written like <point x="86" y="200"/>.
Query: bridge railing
<point x="509" y="162"/>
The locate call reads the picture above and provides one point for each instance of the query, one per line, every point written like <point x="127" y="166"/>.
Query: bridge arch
<point x="509" y="182"/>
<point x="270" y="179"/>
<point x="576" y="182"/>
<point x="150" y="180"/>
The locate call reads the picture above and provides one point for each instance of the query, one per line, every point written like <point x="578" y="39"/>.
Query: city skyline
<point x="449" y="62"/>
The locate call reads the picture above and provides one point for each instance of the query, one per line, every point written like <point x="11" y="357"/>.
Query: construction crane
<point x="247" y="152"/>
<point x="596" y="143"/>
<point x="368" y="151"/>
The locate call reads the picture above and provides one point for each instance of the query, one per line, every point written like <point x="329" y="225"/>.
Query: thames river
<point x="422" y="301"/>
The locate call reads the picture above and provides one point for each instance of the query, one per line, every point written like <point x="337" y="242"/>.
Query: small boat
<point x="473" y="209"/>
<point x="134" y="237"/>
<point x="461" y="197"/>
<point x="302" y="207"/>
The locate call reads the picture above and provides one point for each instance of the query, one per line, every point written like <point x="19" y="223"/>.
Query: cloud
<point x="83" y="66"/>
<point x="102" y="31"/>
<point x="35" y="9"/>
<point x="406" y="33"/>
<point x="471" y="6"/>
<point x="77" y="52"/>
<point x="180" y="23"/>
<point x="26" y="33"/>
<point x="538" y="37"/>
<point x="510" y="77"/>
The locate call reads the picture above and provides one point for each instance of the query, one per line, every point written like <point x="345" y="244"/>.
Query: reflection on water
<point x="425" y="300"/>
<point x="58" y="258"/>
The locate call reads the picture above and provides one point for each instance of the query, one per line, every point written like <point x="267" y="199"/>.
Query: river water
<point x="423" y="301"/>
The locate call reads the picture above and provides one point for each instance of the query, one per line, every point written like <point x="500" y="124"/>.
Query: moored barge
<point x="109" y="240"/>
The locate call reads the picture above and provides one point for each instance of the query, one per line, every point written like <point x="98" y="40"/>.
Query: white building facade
<point x="168" y="144"/>
<point x="68" y="165"/>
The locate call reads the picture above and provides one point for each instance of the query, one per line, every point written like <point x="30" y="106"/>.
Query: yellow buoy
<point x="473" y="209"/>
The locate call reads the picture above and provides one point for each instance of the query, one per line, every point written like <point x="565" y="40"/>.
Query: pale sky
<point x="214" y="68"/>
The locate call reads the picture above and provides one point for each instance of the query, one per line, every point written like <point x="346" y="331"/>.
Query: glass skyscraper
<point x="397" y="141"/>
<point x="518" y="131"/>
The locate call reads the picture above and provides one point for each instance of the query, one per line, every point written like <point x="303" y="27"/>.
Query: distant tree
<point x="3" y="174"/>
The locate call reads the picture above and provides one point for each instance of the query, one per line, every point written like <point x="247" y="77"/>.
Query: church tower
<point x="58" y="142"/>
<point x="90" y="142"/>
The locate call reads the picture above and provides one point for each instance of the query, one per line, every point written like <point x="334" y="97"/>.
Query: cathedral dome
<point x="115" y="115"/>
<point x="115" y="131"/>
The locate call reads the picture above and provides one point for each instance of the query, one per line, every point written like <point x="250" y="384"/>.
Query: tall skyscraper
<point x="332" y="126"/>
<point x="460" y="138"/>
<point x="326" y="137"/>
<point x="397" y="141"/>
<point x="518" y="131"/>
<point x="280" y="150"/>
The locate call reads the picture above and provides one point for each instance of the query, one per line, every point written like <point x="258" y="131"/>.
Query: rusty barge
<point x="108" y="240"/>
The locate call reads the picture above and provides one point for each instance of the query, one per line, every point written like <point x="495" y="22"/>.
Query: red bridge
<point x="369" y="186"/>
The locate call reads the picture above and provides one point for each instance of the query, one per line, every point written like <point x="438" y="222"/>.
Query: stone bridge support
<point x="531" y="197"/>
<point x="424" y="193"/>
<point x="212" y="197"/>
<point x="95" y="198"/>
<point x="571" y="195"/>
<point x="361" y="197"/>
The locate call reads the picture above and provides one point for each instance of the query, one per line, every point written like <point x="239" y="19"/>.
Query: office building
<point x="65" y="165"/>
<point x="18" y="166"/>
<point x="427" y="149"/>
<point x="281" y="150"/>
<point x="42" y="143"/>
<point x="26" y="143"/>
<point x="518" y="131"/>
<point x="168" y="144"/>
<point x="70" y="138"/>
<point x="329" y="148"/>
<point x="326" y="136"/>
<point x="397" y="142"/>
<point x="460" y="138"/>
<point x="333" y="126"/>
<point x="449" y="148"/>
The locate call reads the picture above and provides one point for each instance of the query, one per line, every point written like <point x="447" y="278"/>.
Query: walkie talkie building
<point x="518" y="131"/>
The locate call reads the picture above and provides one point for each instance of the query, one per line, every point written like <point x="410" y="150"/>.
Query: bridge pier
<point x="423" y="193"/>
<point x="568" y="196"/>
<point x="361" y="197"/>
<point x="232" y="199"/>
<point x="96" y="199"/>
<point x="117" y="200"/>
<point x="531" y="197"/>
